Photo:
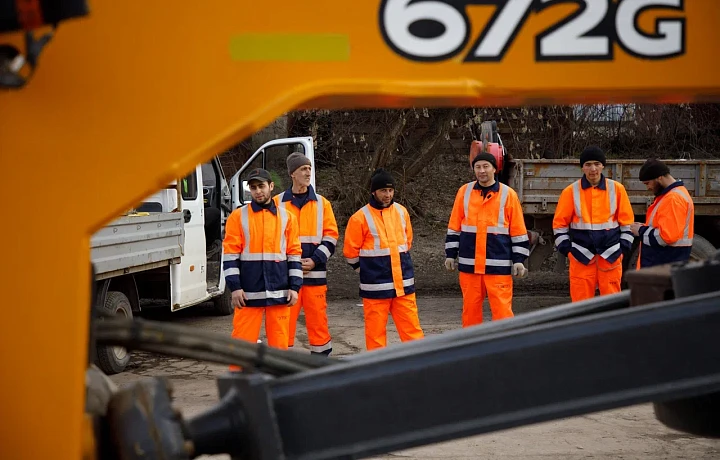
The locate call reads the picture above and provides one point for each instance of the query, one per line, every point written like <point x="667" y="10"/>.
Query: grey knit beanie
<point x="295" y="160"/>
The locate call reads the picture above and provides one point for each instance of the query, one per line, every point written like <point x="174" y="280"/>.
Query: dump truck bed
<point x="538" y="183"/>
<point x="136" y="243"/>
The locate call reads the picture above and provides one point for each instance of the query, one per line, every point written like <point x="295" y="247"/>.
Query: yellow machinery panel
<point x="138" y="92"/>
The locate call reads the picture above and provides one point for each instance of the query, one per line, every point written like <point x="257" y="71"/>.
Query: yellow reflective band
<point x="290" y="47"/>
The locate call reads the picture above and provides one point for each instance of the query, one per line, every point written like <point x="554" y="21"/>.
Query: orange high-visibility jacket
<point x="318" y="231"/>
<point x="262" y="254"/>
<point x="669" y="228"/>
<point x="593" y="221"/>
<point x="487" y="232"/>
<point x="378" y="241"/>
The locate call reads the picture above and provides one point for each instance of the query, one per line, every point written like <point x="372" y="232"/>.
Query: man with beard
<point x="378" y="239"/>
<point x="667" y="234"/>
<point x="592" y="227"/>
<point x="487" y="242"/>
<point x="261" y="264"/>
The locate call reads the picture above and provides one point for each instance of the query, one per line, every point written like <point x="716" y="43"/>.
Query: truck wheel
<point x="223" y="304"/>
<point x="112" y="360"/>
<point x="701" y="249"/>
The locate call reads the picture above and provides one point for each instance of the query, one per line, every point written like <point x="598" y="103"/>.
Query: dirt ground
<point x="626" y="433"/>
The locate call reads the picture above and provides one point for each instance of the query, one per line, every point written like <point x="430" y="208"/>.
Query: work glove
<point x="519" y="270"/>
<point x="450" y="264"/>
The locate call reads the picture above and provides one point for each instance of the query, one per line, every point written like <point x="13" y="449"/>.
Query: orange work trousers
<point x="475" y="286"/>
<point x="247" y="322"/>
<point x="312" y="299"/>
<point x="404" y="313"/>
<point x="598" y="274"/>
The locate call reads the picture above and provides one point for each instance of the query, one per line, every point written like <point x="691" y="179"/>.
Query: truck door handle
<point x="187" y="215"/>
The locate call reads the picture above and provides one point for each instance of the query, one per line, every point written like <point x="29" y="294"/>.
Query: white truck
<point x="168" y="251"/>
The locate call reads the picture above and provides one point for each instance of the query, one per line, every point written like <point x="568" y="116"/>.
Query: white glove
<point x="519" y="270"/>
<point x="450" y="264"/>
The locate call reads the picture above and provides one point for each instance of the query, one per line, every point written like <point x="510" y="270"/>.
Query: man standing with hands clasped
<point x="592" y="227"/>
<point x="378" y="239"/>
<point x="487" y="235"/>
<point x="667" y="234"/>
<point x="261" y="264"/>
<point x="318" y="237"/>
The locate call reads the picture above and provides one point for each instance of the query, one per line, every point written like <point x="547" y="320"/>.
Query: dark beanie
<point x="484" y="156"/>
<point x="381" y="179"/>
<point x="652" y="169"/>
<point x="592" y="153"/>
<point x="295" y="160"/>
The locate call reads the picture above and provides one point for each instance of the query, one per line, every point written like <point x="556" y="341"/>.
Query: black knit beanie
<point x="381" y="179"/>
<point x="652" y="169"/>
<point x="592" y="153"/>
<point x="484" y="156"/>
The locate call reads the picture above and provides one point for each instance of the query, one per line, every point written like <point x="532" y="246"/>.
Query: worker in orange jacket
<point x="318" y="237"/>
<point x="487" y="242"/>
<point x="667" y="234"/>
<point x="261" y="264"/>
<point x="592" y="227"/>
<point x="378" y="239"/>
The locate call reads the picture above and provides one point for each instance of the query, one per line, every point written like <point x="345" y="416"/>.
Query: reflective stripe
<point x="310" y="239"/>
<point x="295" y="272"/>
<point x="293" y="258"/>
<point x="520" y="239"/>
<point x="318" y="274"/>
<point x="371" y="227"/>
<point x="260" y="256"/>
<point x="283" y="225"/>
<point x="558" y="231"/>
<point x="603" y="226"/>
<point x="399" y="210"/>
<point x="402" y="248"/>
<point x="466" y="261"/>
<point x="466" y="201"/>
<point x="685" y="240"/>
<point x="610" y="251"/>
<point x="499" y="230"/>
<point x="231" y="271"/>
<point x="521" y="250"/>
<point x="583" y="251"/>
<point x="320" y="217"/>
<point x="321" y="348"/>
<point x="503" y="201"/>
<point x="610" y="185"/>
<point x="374" y="252"/>
<point x="324" y="250"/>
<point x="452" y="245"/>
<point x="469" y="229"/>
<point x="329" y="239"/>
<point x="498" y="262"/>
<point x="577" y="201"/>
<point x="245" y="217"/>
<point x="560" y="239"/>
<point x="452" y="232"/>
<point x="385" y="286"/>
<point x="625" y="228"/>
<point x="627" y="237"/>
<point x="230" y="257"/>
<point x="266" y="295"/>
<point x="353" y="260"/>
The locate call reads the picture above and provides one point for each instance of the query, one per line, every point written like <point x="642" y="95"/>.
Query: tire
<point x="222" y="305"/>
<point x="702" y="249"/>
<point x="112" y="360"/>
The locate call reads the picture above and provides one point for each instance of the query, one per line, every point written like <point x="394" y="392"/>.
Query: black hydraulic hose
<point x="188" y="342"/>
